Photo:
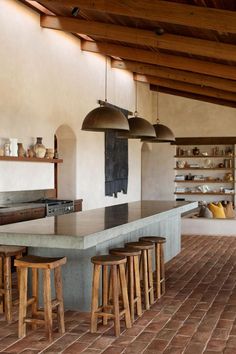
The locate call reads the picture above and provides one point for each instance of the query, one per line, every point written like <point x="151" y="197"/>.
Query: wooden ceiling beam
<point x="185" y="87"/>
<point x="173" y="74"/>
<point x="163" y="11"/>
<point x="166" y="60"/>
<point x="193" y="96"/>
<point x="141" y="37"/>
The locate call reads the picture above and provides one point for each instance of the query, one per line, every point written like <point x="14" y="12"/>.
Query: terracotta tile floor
<point x="196" y="315"/>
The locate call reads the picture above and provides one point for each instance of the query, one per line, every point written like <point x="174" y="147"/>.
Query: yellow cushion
<point x="229" y="211"/>
<point x="217" y="210"/>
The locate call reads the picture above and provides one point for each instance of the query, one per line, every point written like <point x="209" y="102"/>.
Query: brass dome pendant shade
<point x="163" y="133"/>
<point x="105" y="118"/>
<point x="138" y="128"/>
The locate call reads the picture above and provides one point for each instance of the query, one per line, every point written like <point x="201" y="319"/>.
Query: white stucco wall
<point x="47" y="81"/>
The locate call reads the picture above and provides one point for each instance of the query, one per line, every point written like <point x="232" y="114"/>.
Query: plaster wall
<point x="46" y="81"/>
<point x="186" y="118"/>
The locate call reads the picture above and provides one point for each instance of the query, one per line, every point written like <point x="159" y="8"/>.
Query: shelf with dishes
<point x="30" y="159"/>
<point x="201" y="193"/>
<point x="204" y="156"/>
<point x="204" y="168"/>
<point x="204" y="181"/>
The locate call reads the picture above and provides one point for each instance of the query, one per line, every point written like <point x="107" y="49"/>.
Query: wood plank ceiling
<point x="180" y="47"/>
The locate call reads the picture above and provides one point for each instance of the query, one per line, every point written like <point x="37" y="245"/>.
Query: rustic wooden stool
<point x="159" y="262"/>
<point x="46" y="265"/>
<point x="117" y="269"/>
<point x="146" y="262"/>
<point x="134" y="291"/>
<point x="6" y="252"/>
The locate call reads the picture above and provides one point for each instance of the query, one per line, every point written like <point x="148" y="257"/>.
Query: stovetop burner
<point x="56" y="206"/>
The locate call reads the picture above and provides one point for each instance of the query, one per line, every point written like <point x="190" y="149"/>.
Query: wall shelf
<point x="204" y="168"/>
<point x="204" y="157"/>
<point x="203" y="181"/>
<point x="29" y="159"/>
<point x="200" y="193"/>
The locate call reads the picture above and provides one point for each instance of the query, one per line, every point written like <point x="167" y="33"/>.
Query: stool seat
<point x="145" y="245"/>
<point x="9" y="251"/>
<point x="39" y="262"/>
<point x="108" y="260"/>
<point x="154" y="239"/>
<point x="125" y="251"/>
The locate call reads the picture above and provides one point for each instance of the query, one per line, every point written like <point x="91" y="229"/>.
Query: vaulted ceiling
<point x="180" y="47"/>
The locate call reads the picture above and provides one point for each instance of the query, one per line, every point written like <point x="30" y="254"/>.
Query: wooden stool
<point x="6" y="252"/>
<point x="46" y="264"/>
<point x="134" y="291"/>
<point x="146" y="261"/>
<point x="106" y="310"/>
<point x="159" y="262"/>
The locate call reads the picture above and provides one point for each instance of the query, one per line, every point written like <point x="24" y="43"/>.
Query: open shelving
<point x="29" y="159"/>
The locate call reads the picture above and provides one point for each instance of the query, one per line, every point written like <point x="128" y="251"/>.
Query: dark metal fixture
<point x="75" y="11"/>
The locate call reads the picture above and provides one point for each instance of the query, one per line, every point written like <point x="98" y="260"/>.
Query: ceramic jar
<point x="7" y="149"/>
<point x="49" y="153"/>
<point x="21" y="150"/>
<point x="13" y="147"/>
<point x="39" y="148"/>
<point x="196" y="151"/>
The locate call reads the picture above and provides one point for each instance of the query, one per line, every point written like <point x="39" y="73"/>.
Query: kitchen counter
<point x="79" y="236"/>
<point x="92" y="227"/>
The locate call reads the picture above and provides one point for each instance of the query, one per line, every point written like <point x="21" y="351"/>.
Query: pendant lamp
<point x="105" y="118"/>
<point x="138" y="127"/>
<point x="163" y="133"/>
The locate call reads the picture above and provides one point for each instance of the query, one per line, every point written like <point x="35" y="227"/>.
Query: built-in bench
<point x="191" y="224"/>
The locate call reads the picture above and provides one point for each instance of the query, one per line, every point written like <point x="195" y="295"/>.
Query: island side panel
<point x="77" y="273"/>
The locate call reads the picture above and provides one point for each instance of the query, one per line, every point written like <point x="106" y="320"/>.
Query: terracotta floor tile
<point x="196" y="315"/>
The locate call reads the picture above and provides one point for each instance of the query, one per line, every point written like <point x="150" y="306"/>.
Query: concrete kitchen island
<point x="79" y="236"/>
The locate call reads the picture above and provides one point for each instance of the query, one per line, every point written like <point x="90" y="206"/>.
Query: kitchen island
<point x="81" y="235"/>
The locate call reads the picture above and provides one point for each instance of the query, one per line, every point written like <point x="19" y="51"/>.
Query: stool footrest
<point x="31" y="301"/>
<point x="105" y="314"/>
<point x="34" y="320"/>
<point x="55" y="303"/>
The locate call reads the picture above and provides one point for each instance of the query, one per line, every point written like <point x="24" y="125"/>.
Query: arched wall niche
<point x="66" y="172"/>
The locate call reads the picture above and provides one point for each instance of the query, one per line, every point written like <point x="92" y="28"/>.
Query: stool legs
<point x="160" y="270"/>
<point x="125" y="295"/>
<point x="115" y="295"/>
<point x="22" y="302"/>
<point x="1" y="285"/>
<point x="162" y="264"/>
<point x="105" y="291"/>
<point x="147" y="278"/>
<point x="95" y="296"/>
<point x="137" y="287"/>
<point x="47" y="302"/>
<point x="7" y="288"/>
<point x="59" y="296"/>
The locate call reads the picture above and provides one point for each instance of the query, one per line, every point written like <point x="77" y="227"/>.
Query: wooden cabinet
<point x="22" y="215"/>
<point x="78" y="205"/>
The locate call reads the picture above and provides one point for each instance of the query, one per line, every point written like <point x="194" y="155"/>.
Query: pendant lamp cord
<point x="106" y="79"/>
<point x="157" y="119"/>
<point x="136" y="99"/>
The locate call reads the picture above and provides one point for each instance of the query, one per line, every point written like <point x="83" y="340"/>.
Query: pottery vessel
<point x="21" y="150"/>
<point x="39" y="148"/>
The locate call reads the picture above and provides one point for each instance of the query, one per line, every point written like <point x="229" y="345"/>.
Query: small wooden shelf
<point x="204" y="168"/>
<point x="203" y="181"/>
<point x="204" y="157"/>
<point x="29" y="159"/>
<point x="210" y="193"/>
